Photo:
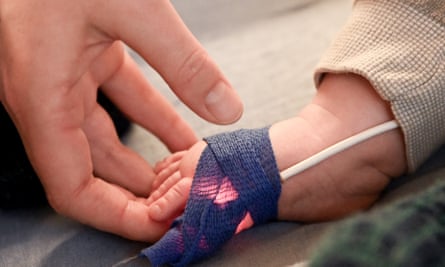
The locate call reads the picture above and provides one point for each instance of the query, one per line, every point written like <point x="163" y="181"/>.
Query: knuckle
<point x="184" y="186"/>
<point x="64" y="201"/>
<point x="177" y="191"/>
<point x="156" y="183"/>
<point x="163" y="188"/>
<point x="173" y="195"/>
<point x="192" y="65"/>
<point x="163" y="203"/>
<point x="155" y="195"/>
<point x="58" y="204"/>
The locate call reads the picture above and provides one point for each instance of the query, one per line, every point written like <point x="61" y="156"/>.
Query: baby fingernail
<point x="154" y="212"/>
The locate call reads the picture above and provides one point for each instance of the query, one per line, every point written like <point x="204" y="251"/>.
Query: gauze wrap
<point x="236" y="180"/>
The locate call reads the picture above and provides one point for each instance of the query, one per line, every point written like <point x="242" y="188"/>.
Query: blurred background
<point x="268" y="51"/>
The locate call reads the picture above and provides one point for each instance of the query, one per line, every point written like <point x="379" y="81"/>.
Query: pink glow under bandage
<point x="236" y="185"/>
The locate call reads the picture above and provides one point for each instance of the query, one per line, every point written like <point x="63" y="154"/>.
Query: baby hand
<point x="172" y="186"/>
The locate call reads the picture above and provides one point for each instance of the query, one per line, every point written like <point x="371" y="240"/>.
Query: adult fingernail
<point x="224" y="104"/>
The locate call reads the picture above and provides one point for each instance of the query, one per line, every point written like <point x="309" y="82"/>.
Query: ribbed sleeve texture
<point x="399" y="46"/>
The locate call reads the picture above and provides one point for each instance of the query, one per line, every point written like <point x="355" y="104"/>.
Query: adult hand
<point x="54" y="54"/>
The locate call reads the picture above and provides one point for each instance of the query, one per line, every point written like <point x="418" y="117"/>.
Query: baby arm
<point x="345" y="104"/>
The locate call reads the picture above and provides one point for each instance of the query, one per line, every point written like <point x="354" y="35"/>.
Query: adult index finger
<point x="154" y="29"/>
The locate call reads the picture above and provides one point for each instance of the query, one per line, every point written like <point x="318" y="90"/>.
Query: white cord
<point x="337" y="148"/>
<point x="319" y="157"/>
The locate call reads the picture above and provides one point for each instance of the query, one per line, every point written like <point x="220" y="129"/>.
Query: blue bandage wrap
<point x="236" y="178"/>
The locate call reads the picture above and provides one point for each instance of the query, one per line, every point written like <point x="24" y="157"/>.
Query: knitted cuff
<point x="398" y="47"/>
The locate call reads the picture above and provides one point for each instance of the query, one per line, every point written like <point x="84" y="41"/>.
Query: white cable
<point x="337" y="148"/>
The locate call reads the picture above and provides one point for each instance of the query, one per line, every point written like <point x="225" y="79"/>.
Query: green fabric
<point x="408" y="233"/>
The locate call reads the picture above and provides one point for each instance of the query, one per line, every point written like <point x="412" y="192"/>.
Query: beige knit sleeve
<point x="399" y="46"/>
